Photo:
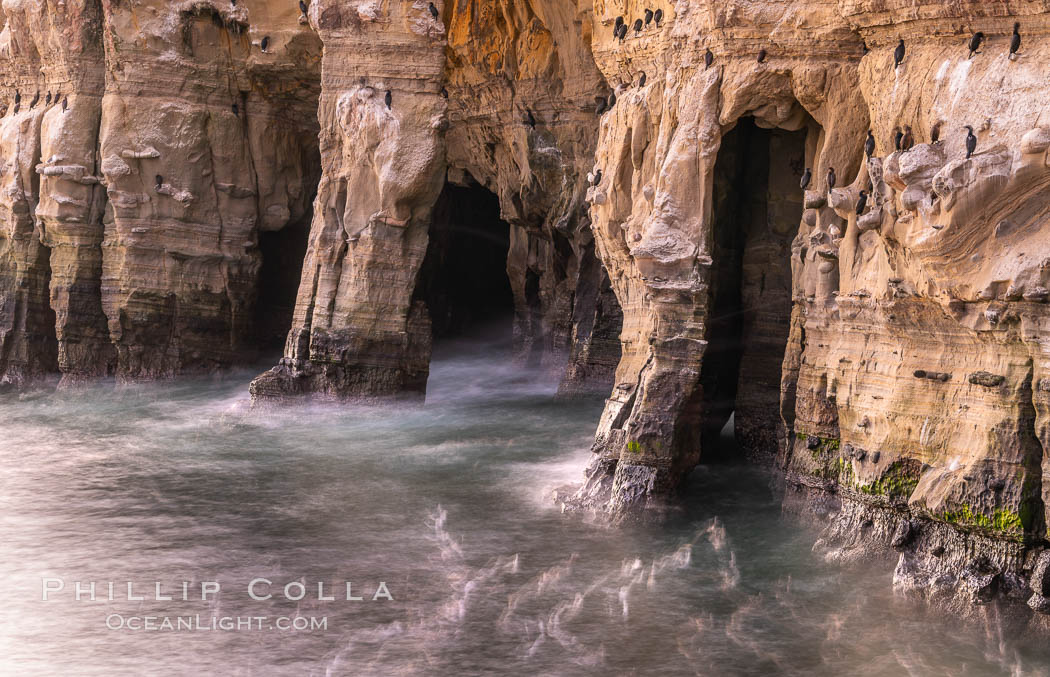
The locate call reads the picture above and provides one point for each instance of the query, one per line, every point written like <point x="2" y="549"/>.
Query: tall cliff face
<point x="488" y="96"/>
<point x="170" y="168"/>
<point x="149" y="148"/>
<point x="912" y="383"/>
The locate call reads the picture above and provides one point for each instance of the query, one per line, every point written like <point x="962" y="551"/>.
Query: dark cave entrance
<point x="464" y="280"/>
<point x="757" y="208"/>
<point x="283" y="252"/>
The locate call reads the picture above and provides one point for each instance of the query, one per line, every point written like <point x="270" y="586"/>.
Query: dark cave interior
<point x="464" y="279"/>
<point x="757" y="209"/>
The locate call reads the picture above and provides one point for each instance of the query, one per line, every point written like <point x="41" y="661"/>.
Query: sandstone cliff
<point x="170" y="168"/>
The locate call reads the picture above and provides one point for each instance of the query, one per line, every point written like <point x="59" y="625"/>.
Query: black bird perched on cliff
<point x="761" y="56"/>
<point x="1015" y="41"/>
<point x="434" y="11"/>
<point x="601" y="107"/>
<point x="831" y="178"/>
<point x="898" y="54"/>
<point x="444" y="93"/>
<point x="807" y="176"/>
<point x="641" y="80"/>
<point x="47" y="99"/>
<point x="616" y="26"/>
<point x="869" y="144"/>
<point x="908" y="141"/>
<point x="265" y="43"/>
<point x="18" y="98"/>
<point x="33" y="103"/>
<point x="597" y="178"/>
<point x="389" y="98"/>
<point x="709" y="59"/>
<point x="160" y="180"/>
<point x="898" y="136"/>
<point x="304" y="8"/>
<point x="623" y="32"/>
<point x="65" y="103"/>
<point x="862" y="202"/>
<point x="975" y="43"/>
<point x="612" y="100"/>
<point x="658" y="17"/>
<point x="971" y="142"/>
<point x="648" y="16"/>
<point x="530" y="119"/>
<point x="935" y="133"/>
<point x="638" y="26"/>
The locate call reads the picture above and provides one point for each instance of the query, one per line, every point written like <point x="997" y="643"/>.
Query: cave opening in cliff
<point x="757" y="206"/>
<point x="283" y="252"/>
<point x="464" y="280"/>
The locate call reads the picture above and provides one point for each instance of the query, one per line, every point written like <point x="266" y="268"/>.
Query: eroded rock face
<point x="500" y="95"/>
<point x="147" y="146"/>
<point x="911" y="384"/>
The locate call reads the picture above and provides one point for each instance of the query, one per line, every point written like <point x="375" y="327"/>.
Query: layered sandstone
<point x="147" y="146"/>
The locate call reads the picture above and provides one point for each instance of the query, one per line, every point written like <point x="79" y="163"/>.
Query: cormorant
<point x="971" y="142"/>
<point x="898" y="136"/>
<point x="18" y="98"/>
<point x="265" y="43"/>
<point x="160" y="180"/>
<point x="831" y="178"/>
<point x="601" y="107"/>
<point x="303" y="7"/>
<point x="389" y="98"/>
<point x="658" y="17"/>
<point x="33" y="103"/>
<point x="648" y="16"/>
<point x="65" y="103"/>
<point x="1015" y="41"/>
<point x="434" y="11"/>
<point x="612" y="100"/>
<point x="709" y="59"/>
<point x="975" y="43"/>
<point x="641" y="80"/>
<point x="761" y="56"/>
<point x="530" y="119"/>
<point x="444" y="93"/>
<point x="898" y="54"/>
<point x="908" y="141"/>
<point x="806" y="177"/>
<point x="623" y="32"/>
<point x="616" y="26"/>
<point x="638" y="26"/>
<point x="869" y="144"/>
<point x="47" y="99"/>
<point x="597" y="177"/>
<point x="862" y="202"/>
<point x="236" y="110"/>
<point x="935" y="133"/>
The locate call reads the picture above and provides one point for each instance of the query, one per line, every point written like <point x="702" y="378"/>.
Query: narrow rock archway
<point x="757" y="206"/>
<point x="463" y="280"/>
